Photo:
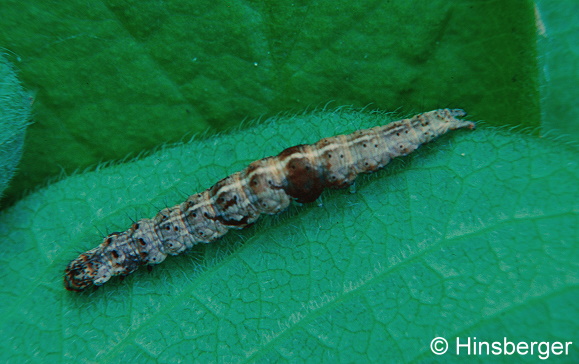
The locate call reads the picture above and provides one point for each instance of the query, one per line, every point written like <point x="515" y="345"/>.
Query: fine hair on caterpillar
<point x="267" y="186"/>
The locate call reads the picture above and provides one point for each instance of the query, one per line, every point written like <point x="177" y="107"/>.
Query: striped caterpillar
<point x="266" y="186"/>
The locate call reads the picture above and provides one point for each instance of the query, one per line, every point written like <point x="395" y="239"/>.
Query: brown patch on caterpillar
<point x="304" y="177"/>
<point x="266" y="186"/>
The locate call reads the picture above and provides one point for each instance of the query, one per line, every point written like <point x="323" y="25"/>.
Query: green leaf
<point x="474" y="235"/>
<point x="14" y="117"/>
<point x="559" y="50"/>
<point x="119" y="77"/>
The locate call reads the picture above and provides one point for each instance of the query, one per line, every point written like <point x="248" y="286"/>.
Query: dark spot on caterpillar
<point x="303" y="182"/>
<point x="232" y="222"/>
<point x="266" y="186"/>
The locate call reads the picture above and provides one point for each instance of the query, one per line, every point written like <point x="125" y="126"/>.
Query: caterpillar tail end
<point x="453" y="114"/>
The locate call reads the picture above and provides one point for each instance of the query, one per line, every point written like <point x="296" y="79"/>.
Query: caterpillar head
<point x="85" y="271"/>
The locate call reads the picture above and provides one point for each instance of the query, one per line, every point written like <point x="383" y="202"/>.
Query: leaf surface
<point x="559" y="48"/>
<point x="119" y="77"/>
<point x="14" y="118"/>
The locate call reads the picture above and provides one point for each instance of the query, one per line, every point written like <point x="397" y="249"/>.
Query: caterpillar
<point x="266" y="186"/>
